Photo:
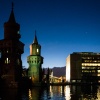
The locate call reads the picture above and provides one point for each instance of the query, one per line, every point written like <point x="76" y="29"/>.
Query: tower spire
<point x="12" y="17"/>
<point x="35" y="38"/>
<point x="11" y="27"/>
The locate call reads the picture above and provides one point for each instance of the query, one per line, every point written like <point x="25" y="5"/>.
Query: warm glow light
<point x="37" y="50"/>
<point x="68" y="69"/>
<point x="29" y="77"/>
<point x="67" y="93"/>
<point x="51" y="91"/>
<point x="90" y="64"/>
<point x="7" y="60"/>
<point x="30" y="49"/>
<point x="98" y="93"/>
<point x="30" y="94"/>
<point x="98" y="71"/>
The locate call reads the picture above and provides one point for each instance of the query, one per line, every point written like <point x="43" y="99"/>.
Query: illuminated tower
<point x="35" y="60"/>
<point x="10" y="52"/>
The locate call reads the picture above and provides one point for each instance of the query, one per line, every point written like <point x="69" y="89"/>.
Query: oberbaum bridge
<point x="80" y="68"/>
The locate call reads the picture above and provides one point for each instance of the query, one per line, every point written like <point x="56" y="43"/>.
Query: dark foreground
<point x="68" y="92"/>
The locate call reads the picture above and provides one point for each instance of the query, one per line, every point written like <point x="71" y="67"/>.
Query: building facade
<point x="83" y="66"/>
<point x="11" y="49"/>
<point x="35" y="61"/>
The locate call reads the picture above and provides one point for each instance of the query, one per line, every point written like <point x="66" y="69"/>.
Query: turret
<point x="11" y="28"/>
<point x="35" y="61"/>
<point x="35" y="48"/>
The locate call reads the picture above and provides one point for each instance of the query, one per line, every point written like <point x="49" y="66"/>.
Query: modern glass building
<point x="83" y="66"/>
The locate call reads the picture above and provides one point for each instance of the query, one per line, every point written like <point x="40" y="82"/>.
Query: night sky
<point x="62" y="27"/>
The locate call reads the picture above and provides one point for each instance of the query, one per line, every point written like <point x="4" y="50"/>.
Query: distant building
<point x="83" y="66"/>
<point x="59" y="71"/>
<point x="59" y="76"/>
<point x="35" y="61"/>
<point x="11" y="49"/>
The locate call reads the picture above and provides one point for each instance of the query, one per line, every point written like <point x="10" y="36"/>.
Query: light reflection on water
<point x="69" y="92"/>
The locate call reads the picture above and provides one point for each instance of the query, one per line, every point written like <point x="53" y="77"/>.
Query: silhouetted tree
<point x="48" y="73"/>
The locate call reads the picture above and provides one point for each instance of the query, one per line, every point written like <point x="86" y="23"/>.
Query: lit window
<point x="37" y="50"/>
<point x="99" y="71"/>
<point x="90" y="64"/>
<point x="7" y="60"/>
<point x="7" y="51"/>
<point x="17" y="32"/>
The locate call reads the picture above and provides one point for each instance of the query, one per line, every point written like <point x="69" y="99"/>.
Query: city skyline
<point x="62" y="27"/>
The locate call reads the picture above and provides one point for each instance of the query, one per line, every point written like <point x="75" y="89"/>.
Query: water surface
<point x="68" y="92"/>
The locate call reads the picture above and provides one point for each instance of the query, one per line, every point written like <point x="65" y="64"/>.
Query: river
<point x="68" y="92"/>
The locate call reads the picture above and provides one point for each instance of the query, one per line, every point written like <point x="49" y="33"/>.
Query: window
<point x="17" y="32"/>
<point x="38" y="61"/>
<point x="7" y="61"/>
<point x="37" y="50"/>
<point x="0" y="54"/>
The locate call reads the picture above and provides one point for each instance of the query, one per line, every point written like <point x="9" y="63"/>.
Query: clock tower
<point x="11" y="49"/>
<point x="35" y="61"/>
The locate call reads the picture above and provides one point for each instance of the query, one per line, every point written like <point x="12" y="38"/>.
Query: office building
<point x="83" y="67"/>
